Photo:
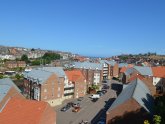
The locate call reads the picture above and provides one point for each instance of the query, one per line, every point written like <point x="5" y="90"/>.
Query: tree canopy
<point x="24" y="57"/>
<point x="51" y="56"/>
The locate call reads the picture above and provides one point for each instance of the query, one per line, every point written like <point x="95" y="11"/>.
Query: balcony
<point x="105" y="74"/>
<point x="68" y="88"/>
<point x="68" y="94"/>
<point x="68" y="91"/>
<point x="105" y="69"/>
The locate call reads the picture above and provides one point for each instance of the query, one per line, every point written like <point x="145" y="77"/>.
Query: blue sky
<point x="87" y="27"/>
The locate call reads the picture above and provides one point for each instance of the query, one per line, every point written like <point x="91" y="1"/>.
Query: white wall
<point x="96" y="78"/>
<point x="156" y="80"/>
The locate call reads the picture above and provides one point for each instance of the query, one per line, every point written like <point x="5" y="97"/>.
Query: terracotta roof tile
<point x="158" y="71"/>
<point x="74" y="75"/>
<point x="21" y="111"/>
<point x="123" y="69"/>
<point x="136" y="76"/>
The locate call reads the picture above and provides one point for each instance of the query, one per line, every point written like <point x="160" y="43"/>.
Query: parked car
<point x="105" y="87"/>
<point x="103" y="91"/>
<point x="80" y="98"/>
<point x="76" y="104"/>
<point x="76" y="109"/>
<point x="102" y="121"/>
<point x="70" y="104"/>
<point x="104" y="81"/>
<point x="65" y="108"/>
<point x="100" y="93"/>
<point x="95" y="96"/>
<point x="94" y="99"/>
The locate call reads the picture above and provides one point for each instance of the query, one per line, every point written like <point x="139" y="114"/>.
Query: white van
<point x="95" y="96"/>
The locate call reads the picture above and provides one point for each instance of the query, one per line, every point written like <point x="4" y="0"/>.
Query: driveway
<point x="90" y="111"/>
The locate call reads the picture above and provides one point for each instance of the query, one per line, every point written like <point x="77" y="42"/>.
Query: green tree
<point x="24" y="57"/>
<point x="160" y="110"/>
<point x="17" y="76"/>
<point x="95" y="87"/>
<point x="51" y="56"/>
<point x="32" y="49"/>
<point x="157" y="119"/>
<point x="1" y="76"/>
<point x="146" y="122"/>
<point x="35" y="62"/>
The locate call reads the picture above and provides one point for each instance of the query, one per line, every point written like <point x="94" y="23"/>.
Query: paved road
<point x="90" y="111"/>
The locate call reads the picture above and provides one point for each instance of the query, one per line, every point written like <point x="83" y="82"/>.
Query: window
<point x="45" y="97"/>
<point x="58" y="95"/>
<point x="59" y="89"/>
<point x="45" y="90"/>
<point x="52" y="91"/>
<point x="59" y="81"/>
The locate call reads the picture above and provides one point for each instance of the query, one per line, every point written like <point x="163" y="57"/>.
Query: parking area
<point x="90" y="111"/>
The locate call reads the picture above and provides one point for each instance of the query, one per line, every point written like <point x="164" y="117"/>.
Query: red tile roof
<point x="123" y="69"/>
<point x="158" y="71"/>
<point x="136" y="76"/>
<point x="21" y="111"/>
<point x="130" y="66"/>
<point x="75" y="75"/>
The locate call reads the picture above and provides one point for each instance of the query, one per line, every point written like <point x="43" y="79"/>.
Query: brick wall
<point x="116" y="70"/>
<point x="80" y="89"/>
<point x="52" y="88"/>
<point x="131" y="108"/>
<point x="148" y="81"/>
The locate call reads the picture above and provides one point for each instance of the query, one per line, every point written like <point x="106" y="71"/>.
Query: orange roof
<point x="21" y="111"/>
<point x="130" y="66"/>
<point x="136" y="76"/>
<point x="123" y="69"/>
<point x="158" y="71"/>
<point x="75" y="75"/>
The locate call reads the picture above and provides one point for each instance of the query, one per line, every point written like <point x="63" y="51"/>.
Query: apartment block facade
<point x="45" y="85"/>
<point x="76" y="78"/>
<point x="92" y="72"/>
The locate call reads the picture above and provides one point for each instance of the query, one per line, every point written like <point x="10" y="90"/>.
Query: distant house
<point x="132" y="106"/>
<point x="76" y="77"/>
<point x="143" y="73"/>
<point x="60" y="63"/>
<point x="159" y="78"/>
<point x="15" y="64"/>
<point x="22" y="111"/>
<point x="80" y="59"/>
<point x="8" y="90"/>
<point x="110" y="69"/>
<point x="9" y="57"/>
<point x="21" y="64"/>
<point x="123" y="68"/>
<point x="91" y="71"/>
<point x="45" y="84"/>
<point x="11" y="64"/>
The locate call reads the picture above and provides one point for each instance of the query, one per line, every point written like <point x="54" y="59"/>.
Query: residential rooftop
<point x="139" y="92"/>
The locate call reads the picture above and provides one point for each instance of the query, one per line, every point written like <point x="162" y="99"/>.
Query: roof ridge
<point x="134" y="88"/>
<point x="5" y="104"/>
<point x="45" y="70"/>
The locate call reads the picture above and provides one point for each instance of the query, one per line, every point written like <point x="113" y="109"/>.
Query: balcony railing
<point x="68" y="94"/>
<point x="68" y="88"/>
